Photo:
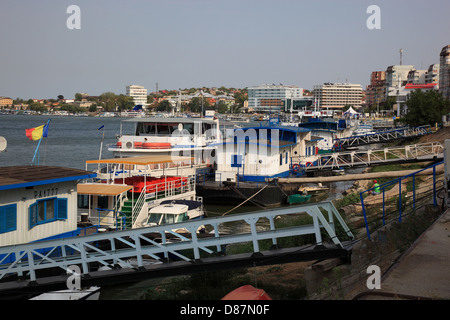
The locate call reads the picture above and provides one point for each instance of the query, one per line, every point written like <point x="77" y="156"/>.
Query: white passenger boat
<point x="166" y="136"/>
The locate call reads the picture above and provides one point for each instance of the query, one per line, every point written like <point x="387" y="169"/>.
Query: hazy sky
<point x="193" y="43"/>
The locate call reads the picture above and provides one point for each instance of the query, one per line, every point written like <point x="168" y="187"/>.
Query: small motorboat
<point x="312" y="190"/>
<point x="91" y="293"/>
<point x="299" y="198"/>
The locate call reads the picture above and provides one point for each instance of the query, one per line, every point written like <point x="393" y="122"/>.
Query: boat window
<point x="168" y="218"/>
<point x="83" y="201"/>
<point x="206" y="127"/>
<point x="182" y="217"/>
<point x="167" y="128"/>
<point x="154" y="218"/>
<point x="102" y="202"/>
<point x="189" y="127"/>
<point x="47" y="210"/>
<point x="145" y="128"/>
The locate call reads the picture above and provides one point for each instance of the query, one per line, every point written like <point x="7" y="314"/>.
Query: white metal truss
<point x="117" y="247"/>
<point x="424" y="151"/>
<point x="384" y="136"/>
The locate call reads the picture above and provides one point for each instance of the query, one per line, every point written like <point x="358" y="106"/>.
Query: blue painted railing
<point x="398" y="181"/>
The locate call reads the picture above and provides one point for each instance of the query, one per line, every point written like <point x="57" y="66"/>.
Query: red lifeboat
<point x="247" y="292"/>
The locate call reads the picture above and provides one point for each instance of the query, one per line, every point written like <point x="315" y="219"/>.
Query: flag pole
<point x="37" y="148"/>
<point x="101" y="144"/>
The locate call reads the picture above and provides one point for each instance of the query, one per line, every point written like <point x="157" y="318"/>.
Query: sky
<point x="211" y="43"/>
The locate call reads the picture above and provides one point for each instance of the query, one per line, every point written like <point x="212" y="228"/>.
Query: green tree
<point x="195" y="105"/>
<point x="124" y="102"/>
<point x="164" y="106"/>
<point x="78" y="96"/>
<point x="425" y="108"/>
<point x="109" y="101"/>
<point x="222" y="107"/>
<point x="240" y="97"/>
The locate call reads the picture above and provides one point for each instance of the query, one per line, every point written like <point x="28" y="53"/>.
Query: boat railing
<point x="106" y="218"/>
<point x="159" y="191"/>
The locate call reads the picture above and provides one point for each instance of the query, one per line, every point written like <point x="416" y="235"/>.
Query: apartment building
<point x="338" y="95"/>
<point x="5" y="102"/>
<point x="432" y="75"/>
<point x="444" y="72"/>
<point x="139" y="94"/>
<point x="376" y="91"/>
<point x="271" y="98"/>
<point x="416" y="76"/>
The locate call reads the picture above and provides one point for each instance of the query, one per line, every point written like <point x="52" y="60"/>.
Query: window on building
<point x="8" y="218"/>
<point x="47" y="210"/>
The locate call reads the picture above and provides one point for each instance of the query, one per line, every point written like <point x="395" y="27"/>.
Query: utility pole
<point x="401" y="56"/>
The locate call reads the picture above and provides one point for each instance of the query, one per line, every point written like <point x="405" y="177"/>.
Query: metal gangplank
<point x="417" y="152"/>
<point x="383" y="136"/>
<point x="27" y="261"/>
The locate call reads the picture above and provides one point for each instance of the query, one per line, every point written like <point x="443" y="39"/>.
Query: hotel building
<point x="338" y="95"/>
<point x="271" y="98"/>
<point x="139" y="94"/>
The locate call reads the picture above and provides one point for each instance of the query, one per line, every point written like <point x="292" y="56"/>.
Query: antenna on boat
<point x="3" y="144"/>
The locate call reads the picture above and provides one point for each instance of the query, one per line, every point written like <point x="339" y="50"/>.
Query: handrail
<point x="399" y="181"/>
<point x="136" y="243"/>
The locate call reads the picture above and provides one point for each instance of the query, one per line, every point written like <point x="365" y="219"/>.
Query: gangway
<point x="28" y="261"/>
<point x="412" y="153"/>
<point x="383" y="136"/>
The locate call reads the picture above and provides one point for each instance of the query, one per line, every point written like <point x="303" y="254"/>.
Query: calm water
<point x="71" y="140"/>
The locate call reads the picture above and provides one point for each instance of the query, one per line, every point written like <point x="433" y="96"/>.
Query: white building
<point x="38" y="202"/>
<point x="432" y="75"/>
<point x="338" y="95"/>
<point x="417" y="76"/>
<point x="396" y="77"/>
<point x="271" y="98"/>
<point x="139" y="94"/>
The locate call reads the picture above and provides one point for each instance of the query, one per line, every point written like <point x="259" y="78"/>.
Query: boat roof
<point x="143" y="160"/>
<point x="28" y="176"/>
<point x="102" y="189"/>
<point x="170" y="209"/>
<point x="281" y="128"/>
<point x="171" y="120"/>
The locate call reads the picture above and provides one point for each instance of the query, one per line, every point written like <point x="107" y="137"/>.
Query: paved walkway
<point x="424" y="270"/>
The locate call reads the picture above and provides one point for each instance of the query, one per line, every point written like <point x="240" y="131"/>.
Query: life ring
<point x="296" y="167"/>
<point x="309" y="164"/>
<point x="155" y="145"/>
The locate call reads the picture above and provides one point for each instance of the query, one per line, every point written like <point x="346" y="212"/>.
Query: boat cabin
<point x="38" y="203"/>
<point x="168" y="136"/>
<point x="167" y="214"/>
<point x="256" y="153"/>
<point x="125" y="189"/>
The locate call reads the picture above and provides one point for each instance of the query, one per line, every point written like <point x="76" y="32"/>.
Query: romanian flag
<point x="37" y="133"/>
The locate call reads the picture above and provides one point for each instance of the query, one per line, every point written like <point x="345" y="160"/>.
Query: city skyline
<point x="196" y="43"/>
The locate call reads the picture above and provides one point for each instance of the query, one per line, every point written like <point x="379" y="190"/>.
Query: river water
<point x="71" y="142"/>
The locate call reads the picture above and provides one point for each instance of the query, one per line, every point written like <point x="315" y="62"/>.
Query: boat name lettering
<point x="45" y="193"/>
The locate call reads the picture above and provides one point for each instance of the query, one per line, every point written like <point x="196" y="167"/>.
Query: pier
<point x="26" y="267"/>
<point x="431" y="151"/>
<point x="384" y="136"/>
